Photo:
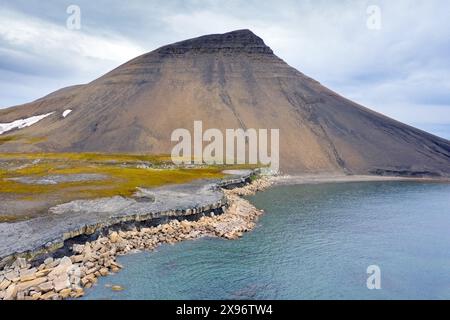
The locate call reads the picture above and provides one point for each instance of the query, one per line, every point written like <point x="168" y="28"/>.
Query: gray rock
<point x="26" y="272"/>
<point x="11" y="292"/>
<point x="4" y="284"/>
<point x="12" y="275"/>
<point x="62" y="269"/>
<point x="46" y="286"/>
<point x="63" y="178"/>
<point x="29" y="284"/>
<point x="85" y="216"/>
<point x="21" y="263"/>
<point x="62" y="282"/>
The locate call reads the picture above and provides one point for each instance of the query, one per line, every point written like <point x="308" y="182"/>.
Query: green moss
<point x="122" y="172"/>
<point x="122" y="179"/>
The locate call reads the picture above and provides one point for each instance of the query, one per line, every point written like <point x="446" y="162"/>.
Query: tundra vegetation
<point x="122" y="175"/>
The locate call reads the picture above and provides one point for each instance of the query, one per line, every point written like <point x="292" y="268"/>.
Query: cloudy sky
<point x="393" y="58"/>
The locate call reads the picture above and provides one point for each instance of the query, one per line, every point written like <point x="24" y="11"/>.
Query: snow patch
<point x="22" y="123"/>
<point x="66" y="113"/>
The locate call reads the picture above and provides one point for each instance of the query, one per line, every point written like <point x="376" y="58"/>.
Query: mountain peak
<point x="227" y="81"/>
<point x="238" y="41"/>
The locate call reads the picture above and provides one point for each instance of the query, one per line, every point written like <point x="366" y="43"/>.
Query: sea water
<point x="313" y="242"/>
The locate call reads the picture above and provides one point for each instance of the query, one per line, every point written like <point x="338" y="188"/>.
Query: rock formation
<point x="230" y="80"/>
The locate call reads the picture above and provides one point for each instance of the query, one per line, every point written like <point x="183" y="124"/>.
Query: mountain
<point x="230" y="80"/>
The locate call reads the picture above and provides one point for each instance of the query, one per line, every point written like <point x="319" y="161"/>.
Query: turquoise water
<point x="314" y="242"/>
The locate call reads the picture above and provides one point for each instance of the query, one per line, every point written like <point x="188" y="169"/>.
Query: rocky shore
<point x="69" y="276"/>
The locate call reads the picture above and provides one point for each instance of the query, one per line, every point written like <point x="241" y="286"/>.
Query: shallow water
<point x="315" y="241"/>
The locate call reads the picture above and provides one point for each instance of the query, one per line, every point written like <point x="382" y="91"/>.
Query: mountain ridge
<point x="231" y="80"/>
<point x="242" y="41"/>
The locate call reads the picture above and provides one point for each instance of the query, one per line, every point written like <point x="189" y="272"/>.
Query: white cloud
<point x="39" y="36"/>
<point x="42" y="56"/>
<point x="401" y="70"/>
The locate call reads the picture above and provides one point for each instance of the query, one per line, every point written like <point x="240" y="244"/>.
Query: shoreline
<point x="69" y="276"/>
<point x="341" y="178"/>
<point x="77" y="264"/>
<point x="44" y="235"/>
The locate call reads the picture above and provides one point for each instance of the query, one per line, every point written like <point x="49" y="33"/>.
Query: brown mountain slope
<point x="230" y="80"/>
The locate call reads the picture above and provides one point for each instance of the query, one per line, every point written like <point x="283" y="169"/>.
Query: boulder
<point x="84" y="281"/>
<point x="21" y="263"/>
<point x="92" y="270"/>
<point x="46" y="286"/>
<point x="114" y="237"/>
<point x="22" y="286"/>
<point x="4" y="284"/>
<point x="24" y="272"/>
<point x="11" y="292"/>
<point x="43" y="272"/>
<point x="62" y="282"/>
<point x="63" y="268"/>
<point x="36" y="296"/>
<point x="97" y="247"/>
<point x="77" y="272"/>
<point x="104" y="272"/>
<point x="79" y="292"/>
<point x="12" y="276"/>
<point x="74" y="280"/>
<point x="77" y="259"/>
<point x="28" y="274"/>
<point x="53" y="264"/>
<point x="78" y="248"/>
<point x="65" y="261"/>
<point x="49" y="295"/>
<point x="41" y="267"/>
<point x="65" y="293"/>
